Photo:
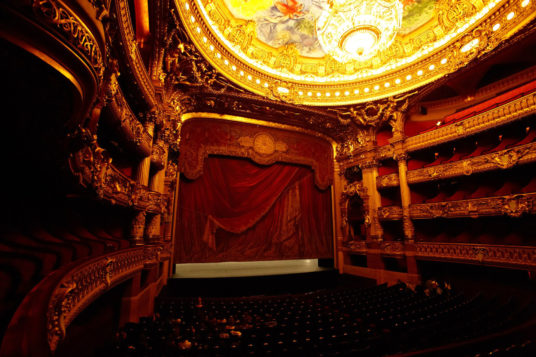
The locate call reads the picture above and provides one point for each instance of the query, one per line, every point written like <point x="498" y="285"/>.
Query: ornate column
<point x="369" y="168"/>
<point x="141" y="176"/>
<point x="400" y="155"/>
<point x="339" y="221"/>
<point x="409" y="232"/>
<point x="153" y="232"/>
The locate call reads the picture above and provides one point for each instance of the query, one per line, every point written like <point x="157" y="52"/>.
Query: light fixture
<point x="358" y="29"/>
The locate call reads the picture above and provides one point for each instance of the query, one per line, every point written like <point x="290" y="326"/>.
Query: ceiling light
<point x="358" y="29"/>
<point x="469" y="45"/>
<point x="496" y="27"/>
<point x="510" y="16"/>
<point x="525" y="3"/>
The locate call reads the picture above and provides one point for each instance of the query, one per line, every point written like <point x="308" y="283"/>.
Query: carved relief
<point x="244" y="140"/>
<point x="452" y="13"/>
<point x="390" y="180"/>
<point x="127" y="39"/>
<point x="158" y="156"/>
<point x="263" y="144"/>
<point x="390" y="213"/>
<point x="85" y="282"/>
<point x="501" y="115"/>
<point x="92" y="166"/>
<point x="504" y="159"/>
<point x="74" y="31"/>
<point x="392" y="247"/>
<point x="513" y="205"/>
<point x="486" y="254"/>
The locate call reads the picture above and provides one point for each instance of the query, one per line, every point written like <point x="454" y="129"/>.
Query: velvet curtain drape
<point x="241" y="211"/>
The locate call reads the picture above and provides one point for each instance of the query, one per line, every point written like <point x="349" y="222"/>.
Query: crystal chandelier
<point x="358" y="29"/>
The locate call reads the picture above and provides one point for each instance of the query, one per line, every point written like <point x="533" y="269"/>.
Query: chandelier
<point x="358" y="29"/>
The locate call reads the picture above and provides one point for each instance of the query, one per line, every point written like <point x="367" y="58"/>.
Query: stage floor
<point x="243" y="269"/>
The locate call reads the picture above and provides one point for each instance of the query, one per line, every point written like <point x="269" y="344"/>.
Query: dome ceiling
<point x="339" y="52"/>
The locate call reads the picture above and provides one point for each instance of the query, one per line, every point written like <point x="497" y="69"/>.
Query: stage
<point x="245" y="269"/>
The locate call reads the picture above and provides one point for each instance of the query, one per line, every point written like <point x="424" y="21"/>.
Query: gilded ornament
<point x="452" y="13"/>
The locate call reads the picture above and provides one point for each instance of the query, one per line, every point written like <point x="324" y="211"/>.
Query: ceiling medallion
<point x="318" y="52"/>
<point x="358" y="29"/>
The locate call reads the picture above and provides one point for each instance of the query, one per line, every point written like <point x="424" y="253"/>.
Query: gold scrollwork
<point x="72" y="28"/>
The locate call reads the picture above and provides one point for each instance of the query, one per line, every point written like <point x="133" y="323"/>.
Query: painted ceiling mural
<point x="293" y="22"/>
<point x="297" y="50"/>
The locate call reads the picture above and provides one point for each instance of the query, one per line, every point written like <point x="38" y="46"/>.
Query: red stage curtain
<point x="240" y="211"/>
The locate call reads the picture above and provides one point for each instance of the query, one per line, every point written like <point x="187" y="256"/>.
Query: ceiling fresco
<point x="340" y="52"/>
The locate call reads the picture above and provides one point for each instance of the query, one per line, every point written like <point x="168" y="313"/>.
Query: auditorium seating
<point x="374" y="321"/>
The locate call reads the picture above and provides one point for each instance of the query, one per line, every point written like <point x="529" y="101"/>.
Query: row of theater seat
<point x="370" y="322"/>
<point x="501" y="230"/>
<point x="487" y="105"/>
<point x="505" y="138"/>
<point x="472" y="189"/>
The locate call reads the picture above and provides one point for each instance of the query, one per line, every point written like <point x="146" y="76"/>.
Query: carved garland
<point x="86" y="282"/>
<point x="512" y="205"/>
<point x="490" y="254"/>
<point x="504" y="159"/>
<point x="256" y="156"/>
<point x="132" y="54"/>
<point x="501" y="115"/>
<point x="63" y="19"/>
<point x="130" y="126"/>
<point x="390" y="213"/>
<point x="92" y="166"/>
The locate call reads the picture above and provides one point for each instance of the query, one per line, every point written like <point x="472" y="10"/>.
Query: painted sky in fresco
<point x="286" y="22"/>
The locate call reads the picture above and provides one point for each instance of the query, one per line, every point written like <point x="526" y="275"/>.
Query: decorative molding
<point x="86" y="282"/>
<point x="93" y="168"/>
<point x="498" y="116"/>
<point x="503" y="159"/>
<point x="65" y="21"/>
<point x="231" y="46"/>
<point x="132" y="54"/>
<point x="129" y="126"/>
<point x="158" y="156"/>
<point x="263" y="144"/>
<point x="204" y="137"/>
<point x="355" y="246"/>
<point x="502" y="255"/>
<point x="390" y="180"/>
<point x="478" y="253"/>
<point x="354" y="189"/>
<point x="511" y="205"/>
<point x="390" y="213"/>
<point x="392" y="248"/>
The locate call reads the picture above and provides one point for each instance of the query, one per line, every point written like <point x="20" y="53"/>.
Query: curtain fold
<point x="238" y="211"/>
